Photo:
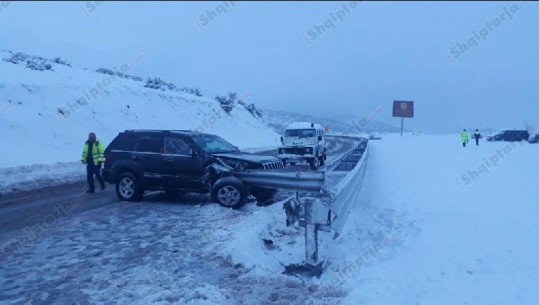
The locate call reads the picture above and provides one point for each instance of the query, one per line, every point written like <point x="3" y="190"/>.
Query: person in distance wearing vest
<point x="464" y="137"/>
<point x="92" y="156"/>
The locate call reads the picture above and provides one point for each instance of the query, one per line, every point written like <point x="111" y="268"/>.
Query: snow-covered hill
<point x="278" y="120"/>
<point x="47" y="109"/>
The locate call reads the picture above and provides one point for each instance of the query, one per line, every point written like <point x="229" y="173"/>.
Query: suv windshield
<point x="214" y="144"/>
<point x="300" y="133"/>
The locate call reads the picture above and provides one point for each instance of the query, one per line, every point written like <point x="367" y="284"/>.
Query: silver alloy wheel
<point x="127" y="187"/>
<point x="229" y="196"/>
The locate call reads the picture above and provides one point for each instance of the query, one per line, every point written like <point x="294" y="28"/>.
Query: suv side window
<point x="124" y="141"/>
<point x="176" y="146"/>
<point x="149" y="144"/>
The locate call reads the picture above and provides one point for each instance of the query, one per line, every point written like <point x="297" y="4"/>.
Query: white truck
<point x="303" y="142"/>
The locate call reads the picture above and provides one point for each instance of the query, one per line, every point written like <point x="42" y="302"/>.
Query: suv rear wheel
<point x="128" y="187"/>
<point x="229" y="192"/>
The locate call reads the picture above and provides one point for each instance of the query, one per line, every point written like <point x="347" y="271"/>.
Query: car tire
<point x="128" y="188"/>
<point x="314" y="163"/>
<point x="229" y="192"/>
<point x="263" y="196"/>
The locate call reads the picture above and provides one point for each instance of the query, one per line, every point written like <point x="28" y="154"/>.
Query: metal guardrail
<point x="314" y="206"/>
<point x="347" y="191"/>
<point x="292" y="181"/>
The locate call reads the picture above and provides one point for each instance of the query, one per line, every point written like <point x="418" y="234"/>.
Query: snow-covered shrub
<point x="38" y="65"/>
<point x="194" y="91"/>
<point x="253" y="110"/>
<point x="228" y="102"/>
<point x="17" y="58"/>
<point x="159" y="84"/>
<point x="61" y="61"/>
<point x="119" y="74"/>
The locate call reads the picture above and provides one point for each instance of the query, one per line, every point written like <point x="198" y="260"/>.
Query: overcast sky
<point x="464" y="64"/>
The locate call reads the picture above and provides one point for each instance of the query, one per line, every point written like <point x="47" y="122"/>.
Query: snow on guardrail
<point x="346" y="192"/>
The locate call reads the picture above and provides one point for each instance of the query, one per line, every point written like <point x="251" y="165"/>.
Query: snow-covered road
<point x="153" y="252"/>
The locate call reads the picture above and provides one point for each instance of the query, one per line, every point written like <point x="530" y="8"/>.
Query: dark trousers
<point x="92" y="170"/>
<point x="464" y="143"/>
<point x="476" y="141"/>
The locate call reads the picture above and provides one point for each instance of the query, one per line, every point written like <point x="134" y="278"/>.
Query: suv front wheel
<point x="314" y="163"/>
<point x="229" y="192"/>
<point x="128" y="187"/>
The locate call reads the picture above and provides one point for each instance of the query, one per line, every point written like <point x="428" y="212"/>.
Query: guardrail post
<point x="311" y="234"/>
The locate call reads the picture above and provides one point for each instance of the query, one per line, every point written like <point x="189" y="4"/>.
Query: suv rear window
<point x="124" y="142"/>
<point x="150" y="144"/>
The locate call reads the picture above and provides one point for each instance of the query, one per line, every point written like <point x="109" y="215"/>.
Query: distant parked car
<point x="509" y="135"/>
<point x="534" y="139"/>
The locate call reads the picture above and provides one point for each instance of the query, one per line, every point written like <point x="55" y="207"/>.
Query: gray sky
<point x="464" y="64"/>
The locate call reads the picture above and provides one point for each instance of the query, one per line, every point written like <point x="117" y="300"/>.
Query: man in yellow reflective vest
<point x="464" y="137"/>
<point x="92" y="156"/>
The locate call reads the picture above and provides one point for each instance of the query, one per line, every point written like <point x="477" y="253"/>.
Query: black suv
<point x="181" y="161"/>
<point x="510" y="136"/>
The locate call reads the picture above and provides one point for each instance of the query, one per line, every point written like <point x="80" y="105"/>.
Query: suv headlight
<point x="308" y="150"/>
<point x="237" y="165"/>
<point x="281" y="151"/>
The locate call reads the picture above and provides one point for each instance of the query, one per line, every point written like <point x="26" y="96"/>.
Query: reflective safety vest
<point x="97" y="152"/>
<point x="464" y="136"/>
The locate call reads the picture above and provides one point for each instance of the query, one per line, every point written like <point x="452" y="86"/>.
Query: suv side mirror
<point x="282" y="139"/>
<point x="319" y="138"/>
<point x="194" y="153"/>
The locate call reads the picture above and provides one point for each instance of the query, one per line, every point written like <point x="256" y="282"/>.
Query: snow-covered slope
<point x="45" y="116"/>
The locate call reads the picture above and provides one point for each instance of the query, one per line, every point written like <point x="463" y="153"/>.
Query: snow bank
<point x="29" y="177"/>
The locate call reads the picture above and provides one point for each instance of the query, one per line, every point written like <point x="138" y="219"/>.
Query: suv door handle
<point x="136" y="158"/>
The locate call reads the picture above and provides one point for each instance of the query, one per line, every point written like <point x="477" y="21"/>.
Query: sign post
<point x="403" y="109"/>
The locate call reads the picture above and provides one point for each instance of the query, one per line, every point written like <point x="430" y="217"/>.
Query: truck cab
<point x="303" y="142"/>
